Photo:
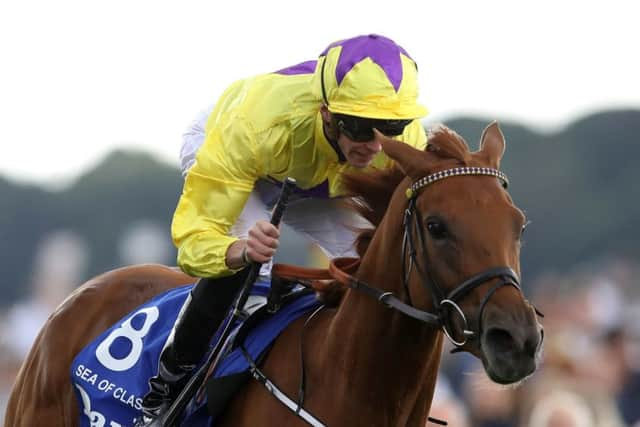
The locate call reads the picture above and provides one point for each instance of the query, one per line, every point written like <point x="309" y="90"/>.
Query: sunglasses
<point x="360" y="129"/>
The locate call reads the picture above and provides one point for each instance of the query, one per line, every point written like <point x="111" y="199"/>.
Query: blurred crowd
<point x="59" y="266"/>
<point x="590" y="372"/>
<point x="589" y="376"/>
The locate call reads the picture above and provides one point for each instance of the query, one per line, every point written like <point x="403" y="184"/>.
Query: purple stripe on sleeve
<point x="383" y="51"/>
<point x="303" y="68"/>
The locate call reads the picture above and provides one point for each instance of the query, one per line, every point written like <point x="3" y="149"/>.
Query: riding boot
<point x="201" y="315"/>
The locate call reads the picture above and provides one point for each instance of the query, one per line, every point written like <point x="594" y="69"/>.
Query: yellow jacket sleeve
<point x="215" y="191"/>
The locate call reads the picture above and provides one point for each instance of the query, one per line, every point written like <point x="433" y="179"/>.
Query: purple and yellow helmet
<point x="368" y="76"/>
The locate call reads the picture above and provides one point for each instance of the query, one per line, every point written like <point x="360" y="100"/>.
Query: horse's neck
<point x="387" y="356"/>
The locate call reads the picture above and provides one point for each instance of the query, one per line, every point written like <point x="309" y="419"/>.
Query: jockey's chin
<point x="359" y="160"/>
<point x="359" y="154"/>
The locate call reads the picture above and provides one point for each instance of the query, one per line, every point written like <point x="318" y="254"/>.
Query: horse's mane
<point x="371" y="192"/>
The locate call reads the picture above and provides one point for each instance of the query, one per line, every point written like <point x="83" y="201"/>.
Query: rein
<point x="340" y="270"/>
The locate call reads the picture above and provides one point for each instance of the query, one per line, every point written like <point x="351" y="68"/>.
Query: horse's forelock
<point x="446" y="143"/>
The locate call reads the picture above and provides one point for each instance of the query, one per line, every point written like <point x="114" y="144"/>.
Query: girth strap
<point x="279" y="394"/>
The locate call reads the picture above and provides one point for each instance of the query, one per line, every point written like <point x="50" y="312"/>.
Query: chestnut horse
<point x="446" y="244"/>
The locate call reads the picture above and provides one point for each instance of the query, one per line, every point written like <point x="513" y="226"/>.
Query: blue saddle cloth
<point x="110" y="375"/>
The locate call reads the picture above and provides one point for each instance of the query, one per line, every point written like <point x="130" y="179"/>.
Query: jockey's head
<point x="366" y="82"/>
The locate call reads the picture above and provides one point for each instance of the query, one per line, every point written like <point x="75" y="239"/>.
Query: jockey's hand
<point x="262" y="242"/>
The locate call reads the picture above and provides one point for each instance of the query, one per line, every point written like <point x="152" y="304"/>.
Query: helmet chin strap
<point x="327" y="125"/>
<point x="324" y="91"/>
<point x="330" y="131"/>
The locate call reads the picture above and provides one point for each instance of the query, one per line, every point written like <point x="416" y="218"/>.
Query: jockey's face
<point x="359" y="154"/>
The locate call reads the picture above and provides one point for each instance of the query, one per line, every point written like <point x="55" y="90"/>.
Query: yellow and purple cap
<point x="368" y="76"/>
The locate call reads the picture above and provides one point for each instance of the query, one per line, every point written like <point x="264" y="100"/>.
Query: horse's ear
<point x="492" y="145"/>
<point x="409" y="159"/>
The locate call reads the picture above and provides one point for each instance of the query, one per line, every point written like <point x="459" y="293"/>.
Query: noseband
<point x="441" y="301"/>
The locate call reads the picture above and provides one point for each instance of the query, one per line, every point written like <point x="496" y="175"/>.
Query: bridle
<point x="341" y="270"/>
<point x="441" y="301"/>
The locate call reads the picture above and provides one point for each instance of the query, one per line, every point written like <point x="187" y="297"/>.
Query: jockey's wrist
<point x="245" y="256"/>
<point x="236" y="257"/>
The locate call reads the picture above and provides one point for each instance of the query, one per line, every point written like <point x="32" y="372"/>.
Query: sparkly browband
<point x="430" y="179"/>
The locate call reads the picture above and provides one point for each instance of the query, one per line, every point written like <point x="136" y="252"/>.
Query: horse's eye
<point x="524" y="228"/>
<point x="437" y="229"/>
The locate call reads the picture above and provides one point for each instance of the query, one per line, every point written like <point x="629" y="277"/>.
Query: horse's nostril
<point x="500" y="340"/>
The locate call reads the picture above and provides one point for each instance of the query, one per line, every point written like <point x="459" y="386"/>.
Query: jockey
<point x="312" y="122"/>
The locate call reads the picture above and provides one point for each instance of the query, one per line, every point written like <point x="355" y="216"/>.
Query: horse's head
<point x="461" y="251"/>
